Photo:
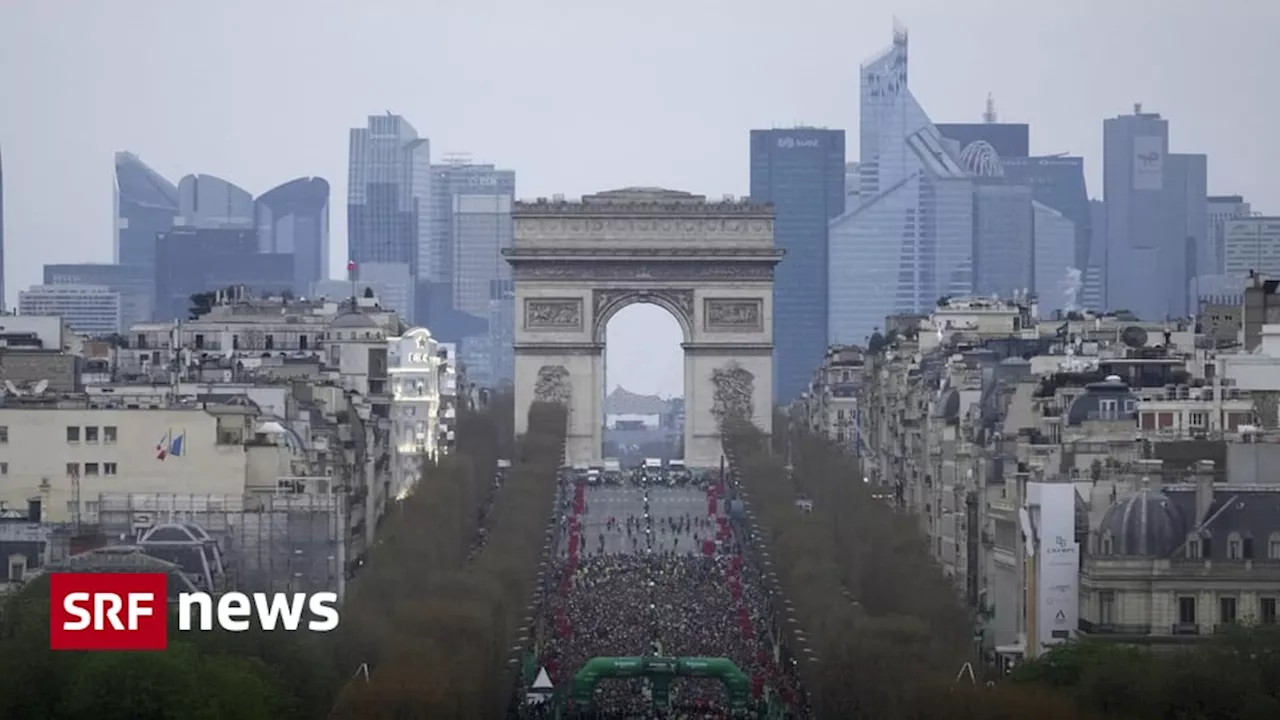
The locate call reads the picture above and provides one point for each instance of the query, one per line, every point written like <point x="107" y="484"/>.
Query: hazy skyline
<point x="576" y="97"/>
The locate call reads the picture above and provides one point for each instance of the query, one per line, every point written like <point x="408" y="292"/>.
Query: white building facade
<point x="92" y="310"/>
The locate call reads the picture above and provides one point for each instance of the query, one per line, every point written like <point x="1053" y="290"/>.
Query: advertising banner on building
<point x="1057" y="561"/>
<point x="1148" y="162"/>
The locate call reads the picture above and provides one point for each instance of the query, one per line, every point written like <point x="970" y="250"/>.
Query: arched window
<point x="1193" y="546"/>
<point x="1235" y="547"/>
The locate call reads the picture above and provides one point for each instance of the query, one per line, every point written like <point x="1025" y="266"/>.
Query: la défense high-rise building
<point x="293" y="218"/>
<point x="801" y="171"/>
<point x="910" y="240"/>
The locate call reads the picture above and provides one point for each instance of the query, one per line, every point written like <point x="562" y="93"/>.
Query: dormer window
<point x="1235" y="547"/>
<point x="1193" y="548"/>
<point x="1273" y="546"/>
<point x="1108" y="543"/>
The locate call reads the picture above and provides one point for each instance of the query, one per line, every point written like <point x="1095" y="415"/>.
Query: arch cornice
<point x="606" y="303"/>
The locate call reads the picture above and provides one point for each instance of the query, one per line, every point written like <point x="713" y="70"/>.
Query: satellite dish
<point x="40" y="387"/>
<point x="13" y="389"/>
<point x="1134" y="336"/>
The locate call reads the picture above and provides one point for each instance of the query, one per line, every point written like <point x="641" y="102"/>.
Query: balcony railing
<point x="1093" y="628"/>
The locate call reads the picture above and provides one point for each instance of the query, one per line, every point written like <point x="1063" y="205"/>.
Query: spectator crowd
<point x="672" y="585"/>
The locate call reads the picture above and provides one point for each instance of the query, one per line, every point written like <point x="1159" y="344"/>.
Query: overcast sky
<point x="584" y="95"/>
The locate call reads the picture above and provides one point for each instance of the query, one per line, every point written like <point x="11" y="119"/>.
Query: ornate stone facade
<point x="710" y="264"/>
<point x="734" y="393"/>
<point x="607" y="301"/>
<point x="554" y="385"/>
<point x="553" y="314"/>
<point x="608" y="269"/>
<point x="733" y="315"/>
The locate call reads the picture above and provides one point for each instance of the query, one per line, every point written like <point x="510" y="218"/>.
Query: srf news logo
<point x="130" y="611"/>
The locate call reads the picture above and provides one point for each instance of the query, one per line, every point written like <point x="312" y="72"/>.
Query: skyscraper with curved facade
<point x="910" y="239"/>
<point x="294" y="218"/>
<point x="146" y="204"/>
<point x="208" y="201"/>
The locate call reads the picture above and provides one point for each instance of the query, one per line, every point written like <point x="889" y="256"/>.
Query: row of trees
<point x="890" y="632"/>
<point x="436" y="629"/>
<point x="431" y="620"/>
<point x="874" y="608"/>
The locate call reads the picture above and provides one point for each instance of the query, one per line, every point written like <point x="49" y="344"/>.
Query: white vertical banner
<point x="1057" y="562"/>
<point x="1148" y="162"/>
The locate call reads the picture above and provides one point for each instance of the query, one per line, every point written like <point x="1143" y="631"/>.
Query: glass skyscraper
<point x="1056" y="287"/>
<point x="146" y="204"/>
<point x="448" y="180"/>
<point x="389" y="195"/>
<point x="1157" y="218"/>
<point x="294" y="218"/>
<point x="910" y="240"/>
<point x="802" y="172"/>
<point x="206" y="201"/>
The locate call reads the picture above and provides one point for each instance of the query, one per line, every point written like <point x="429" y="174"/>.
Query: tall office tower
<point x="802" y="172"/>
<point x="1057" y="287"/>
<point x="205" y="201"/>
<point x="1" y="234"/>
<point x="1003" y="253"/>
<point x="910" y="241"/>
<point x="456" y="176"/>
<point x="91" y="310"/>
<point x="1095" y="274"/>
<point x="196" y="260"/>
<point x="852" y="179"/>
<point x="1187" y="176"/>
<point x="1058" y="182"/>
<point x="1221" y="208"/>
<point x="481" y="230"/>
<point x="1157" y="218"/>
<point x="133" y="284"/>
<point x="146" y="204"/>
<point x="1251" y="244"/>
<point x="389" y="197"/>
<point x="293" y="218"/>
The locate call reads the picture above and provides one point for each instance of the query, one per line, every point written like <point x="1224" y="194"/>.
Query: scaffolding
<point x="269" y="543"/>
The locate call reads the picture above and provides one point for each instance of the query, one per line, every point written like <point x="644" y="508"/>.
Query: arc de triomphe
<point x="710" y="264"/>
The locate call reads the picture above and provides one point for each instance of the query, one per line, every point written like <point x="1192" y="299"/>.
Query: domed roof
<point x="1088" y="406"/>
<point x="353" y="320"/>
<point x="980" y="158"/>
<point x="1146" y="524"/>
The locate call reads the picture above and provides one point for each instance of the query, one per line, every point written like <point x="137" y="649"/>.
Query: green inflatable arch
<point x="660" y="671"/>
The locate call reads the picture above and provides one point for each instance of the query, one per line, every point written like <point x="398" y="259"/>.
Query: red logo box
<point x="108" y="611"/>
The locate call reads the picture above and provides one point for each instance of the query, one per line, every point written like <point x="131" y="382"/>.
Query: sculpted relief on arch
<point x="553" y="385"/>
<point x="733" y="393"/>
<point x="609" y="300"/>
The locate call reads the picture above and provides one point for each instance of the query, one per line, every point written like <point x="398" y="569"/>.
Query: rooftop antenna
<point x="1137" y="108"/>
<point x="989" y="116"/>
<point x="457" y="158"/>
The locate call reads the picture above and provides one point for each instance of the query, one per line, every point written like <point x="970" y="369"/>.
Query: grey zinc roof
<point x="1146" y="524"/>
<point x="353" y="320"/>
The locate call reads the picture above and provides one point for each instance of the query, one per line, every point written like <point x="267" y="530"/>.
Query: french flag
<point x="171" y="445"/>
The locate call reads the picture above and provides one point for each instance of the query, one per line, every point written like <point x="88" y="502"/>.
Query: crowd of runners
<point x="656" y="570"/>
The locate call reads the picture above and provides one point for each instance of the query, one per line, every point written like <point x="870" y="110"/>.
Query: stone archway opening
<point x="644" y="383"/>
<point x="710" y="264"/>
